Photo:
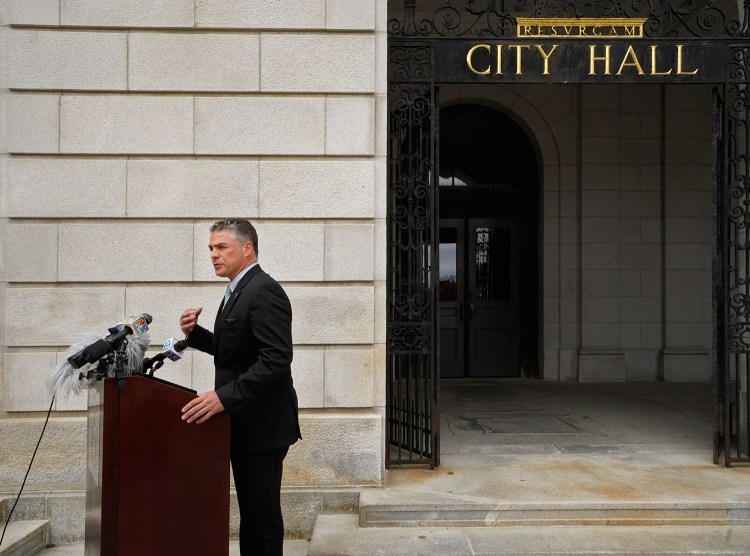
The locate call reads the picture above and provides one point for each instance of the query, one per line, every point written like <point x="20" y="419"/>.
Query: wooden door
<point x="493" y="279"/>
<point x="478" y="298"/>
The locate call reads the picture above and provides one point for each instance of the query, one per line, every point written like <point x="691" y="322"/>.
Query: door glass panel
<point x="448" y="268"/>
<point x="492" y="264"/>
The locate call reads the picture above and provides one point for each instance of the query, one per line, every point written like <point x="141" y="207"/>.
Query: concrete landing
<point x="562" y="491"/>
<point x="339" y="535"/>
<point x="536" y="453"/>
<point x="529" y="467"/>
<point x="493" y="422"/>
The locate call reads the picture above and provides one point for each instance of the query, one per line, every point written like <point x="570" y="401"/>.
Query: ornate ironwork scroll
<point x="411" y="386"/>
<point x="733" y="261"/>
<point x="497" y="18"/>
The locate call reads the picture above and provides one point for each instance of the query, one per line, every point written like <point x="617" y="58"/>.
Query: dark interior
<point x="489" y="169"/>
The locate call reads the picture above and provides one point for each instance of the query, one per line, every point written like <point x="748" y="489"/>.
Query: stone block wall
<point x="126" y="129"/>
<point x="621" y="220"/>
<point x="688" y="232"/>
<point x="645" y="233"/>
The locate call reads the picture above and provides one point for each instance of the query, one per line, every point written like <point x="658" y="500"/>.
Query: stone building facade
<point x="127" y="128"/>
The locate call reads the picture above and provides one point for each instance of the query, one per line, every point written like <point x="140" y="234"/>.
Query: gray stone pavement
<point x="291" y="548"/>
<point x="564" y="444"/>
<point x="521" y="461"/>
<point x="495" y="422"/>
<point x="340" y="536"/>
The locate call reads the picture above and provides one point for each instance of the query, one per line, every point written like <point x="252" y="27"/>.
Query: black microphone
<point x="92" y="353"/>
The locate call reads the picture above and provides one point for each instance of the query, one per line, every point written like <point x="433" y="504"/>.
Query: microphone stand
<point x="121" y="359"/>
<point x="111" y="365"/>
<point x="153" y="364"/>
<point x="101" y="371"/>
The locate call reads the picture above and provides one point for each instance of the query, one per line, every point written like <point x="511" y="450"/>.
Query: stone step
<point x="387" y="508"/>
<point x="291" y="548"/>
<point x="340" y="535"/>
<point x="4" y="508"/>
<point x="25" y="537"/>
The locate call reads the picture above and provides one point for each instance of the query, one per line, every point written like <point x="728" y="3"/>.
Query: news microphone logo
<point x="173" y="349"/>
<point x="138" y="325"/>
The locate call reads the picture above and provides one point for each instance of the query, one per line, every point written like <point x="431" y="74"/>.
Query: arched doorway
<point x="488" y="293"/>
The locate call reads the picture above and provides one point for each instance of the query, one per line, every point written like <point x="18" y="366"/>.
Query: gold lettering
<point x="546" y="56"/>
<point x="593" y="59"/>
<point x="634" y="63"/>
<point x="519" y="47"/>
<point x="679" y="62"/>
<point x="470" y="55"/>
<point x="653" y="62"/>
<point x="499" y="60"/>
<point x="580" y="27"/>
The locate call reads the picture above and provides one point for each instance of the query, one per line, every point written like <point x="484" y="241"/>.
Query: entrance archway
<point x="430" y="45"/>
<point x="488" y="293"/>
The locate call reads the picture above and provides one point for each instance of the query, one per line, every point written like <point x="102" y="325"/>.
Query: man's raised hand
<point x="189" y="318"/>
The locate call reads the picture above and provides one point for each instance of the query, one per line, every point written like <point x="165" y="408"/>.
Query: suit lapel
<point x="227" y="309"/>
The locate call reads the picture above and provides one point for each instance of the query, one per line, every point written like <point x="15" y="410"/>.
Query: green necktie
<point x="227" y="295"/>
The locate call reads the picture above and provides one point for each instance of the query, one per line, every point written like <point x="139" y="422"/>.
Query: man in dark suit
<point x="252" y="348"/>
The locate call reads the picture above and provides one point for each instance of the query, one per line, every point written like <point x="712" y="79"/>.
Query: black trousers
<point x="257" y="478"/>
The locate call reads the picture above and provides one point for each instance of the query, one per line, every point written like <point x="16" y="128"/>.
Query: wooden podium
<point x="155" y="485"/>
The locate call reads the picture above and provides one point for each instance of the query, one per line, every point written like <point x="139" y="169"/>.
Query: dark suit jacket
<point x="252" y="349"/>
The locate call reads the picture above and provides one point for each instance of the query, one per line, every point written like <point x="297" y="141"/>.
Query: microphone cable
<point x="49" y="412"/>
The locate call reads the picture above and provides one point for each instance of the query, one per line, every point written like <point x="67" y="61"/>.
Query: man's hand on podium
<point x="201" y="408"/>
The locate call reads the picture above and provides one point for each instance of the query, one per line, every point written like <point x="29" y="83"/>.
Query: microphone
<point x="138" y="325"/>
<point x="66" y="379"/>
<point x="171" y="350"/>
<point x="92" y="353"/>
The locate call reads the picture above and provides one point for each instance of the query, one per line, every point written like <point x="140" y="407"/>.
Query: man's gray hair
<point x="242" y="229"/>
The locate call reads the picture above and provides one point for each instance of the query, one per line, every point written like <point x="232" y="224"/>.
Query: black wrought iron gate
<point x="416" y="28"/>
<point x="732" y="258"/>
<point x="412" y="383"/>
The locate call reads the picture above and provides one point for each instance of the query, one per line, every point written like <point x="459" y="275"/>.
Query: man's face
<point x="228" y="254"/>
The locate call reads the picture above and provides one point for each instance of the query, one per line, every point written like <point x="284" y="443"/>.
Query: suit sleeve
<point x="271" y="325"/>
<point x="201" y="339"/>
